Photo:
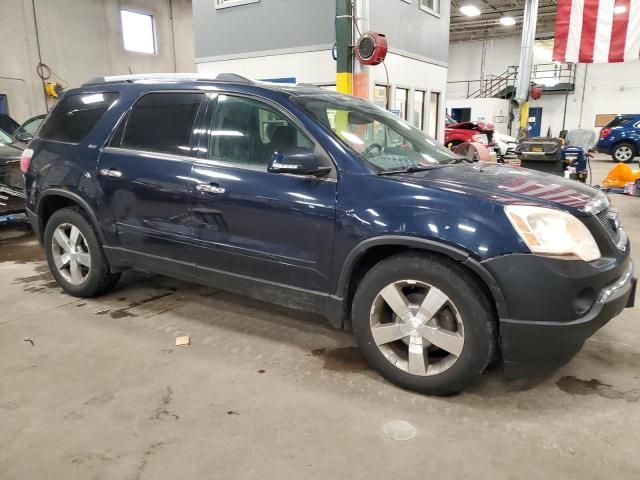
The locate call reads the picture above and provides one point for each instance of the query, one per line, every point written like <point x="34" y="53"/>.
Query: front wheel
<point x="424" y="323"/>
<point x="75" y="256"/>
<point x="624" y="153"/>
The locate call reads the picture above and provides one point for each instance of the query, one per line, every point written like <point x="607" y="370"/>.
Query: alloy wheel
<point x="417" y="327"/>
<point x="624" y="153"/>
<point x="71" y="253"/>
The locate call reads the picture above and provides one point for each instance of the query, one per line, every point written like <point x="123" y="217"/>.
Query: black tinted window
<point x="75" y="116"/>
<point x="161" y="122"/>
<point x="621" y="121"/>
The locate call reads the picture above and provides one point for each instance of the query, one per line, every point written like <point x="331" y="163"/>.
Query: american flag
<point x="597" y="31"/>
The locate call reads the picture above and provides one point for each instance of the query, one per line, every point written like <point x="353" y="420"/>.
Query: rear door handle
<point x="111" y="172"/>
<point x="210" y="188"/>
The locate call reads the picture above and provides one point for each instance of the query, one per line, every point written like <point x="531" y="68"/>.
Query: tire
<point x="84" y="271"/>
<point x="466" y="313"/>
<point x="453" y="144"/>
<point x="624" y="152"/>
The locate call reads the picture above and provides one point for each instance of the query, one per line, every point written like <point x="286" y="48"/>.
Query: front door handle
<point x="210" y="188"/>
<point x="111" y="172"/>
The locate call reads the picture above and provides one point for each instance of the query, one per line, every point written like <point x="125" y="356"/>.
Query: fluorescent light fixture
<point x="470" y="10"/>
<point x="508" y="21"/>
<point x="618" y="9"/>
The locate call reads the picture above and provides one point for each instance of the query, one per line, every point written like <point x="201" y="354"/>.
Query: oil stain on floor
<point x="346" y="359"/>
<point x="577" y="386"/>
<point x="19" y="244"/>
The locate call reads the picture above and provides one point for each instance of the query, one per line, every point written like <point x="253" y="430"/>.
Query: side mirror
<point x="25" y="137"/>
<point x="297" y="161"/>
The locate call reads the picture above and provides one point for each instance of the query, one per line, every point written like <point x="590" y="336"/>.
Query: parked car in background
<point x="456" y="133"/>
<point x="7" y="124"/>
<point x="621" y="138"/>
<point x="11" y="181"/>
<point x="28" y="129"/>
<point x="326" y="203"/>
<point x="504" y="144"/>
<point x="23" y="133"/>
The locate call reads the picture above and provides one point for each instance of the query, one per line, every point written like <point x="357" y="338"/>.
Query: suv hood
<point x="479" y="126"/>
<point x="506" y="185"/>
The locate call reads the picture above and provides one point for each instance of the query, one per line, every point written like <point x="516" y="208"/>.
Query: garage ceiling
<point x="487" y="24"/>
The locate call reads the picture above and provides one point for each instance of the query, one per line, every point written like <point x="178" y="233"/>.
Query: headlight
<point x="598" y="204"/>
<point x="552" y="232"/>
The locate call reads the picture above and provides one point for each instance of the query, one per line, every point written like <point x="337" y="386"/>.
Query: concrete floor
<point x="96" y="389"/>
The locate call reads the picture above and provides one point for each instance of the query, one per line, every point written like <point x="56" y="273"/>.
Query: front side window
<point x="138" y="32"/>
<point x="380" y="138"/>
<point x="160" y="122"/>
<point x="74" y="117"/>
<point x="248" y="132"/>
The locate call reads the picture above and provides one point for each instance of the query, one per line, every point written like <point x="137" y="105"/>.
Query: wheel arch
<point x="371" y="251"/>
<point x="54" y="199"/>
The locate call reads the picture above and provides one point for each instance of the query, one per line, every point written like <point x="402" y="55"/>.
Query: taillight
<point x="604" y="133"/>
<point x="25" y="159"/>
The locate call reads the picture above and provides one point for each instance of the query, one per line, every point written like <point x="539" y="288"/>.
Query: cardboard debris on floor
<point x="182" y="341"/>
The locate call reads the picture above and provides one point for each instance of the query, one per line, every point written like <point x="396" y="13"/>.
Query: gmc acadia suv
<point x="324" y="202"/>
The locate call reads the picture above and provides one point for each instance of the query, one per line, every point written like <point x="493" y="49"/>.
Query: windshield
<point x="5" y="139"/>
<point x="385" y="142"/>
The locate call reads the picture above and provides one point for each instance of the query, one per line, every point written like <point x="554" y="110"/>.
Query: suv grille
<point x="609" y="220"/>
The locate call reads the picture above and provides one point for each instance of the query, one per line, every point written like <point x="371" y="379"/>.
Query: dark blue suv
<point x="324" y="202"/>
<point x="621" y="138"/>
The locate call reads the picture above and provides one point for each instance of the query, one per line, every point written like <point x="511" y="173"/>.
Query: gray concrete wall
<point x="411" y="30"/>
<point x="263" y="26"/>
<point x="81" y="39"/>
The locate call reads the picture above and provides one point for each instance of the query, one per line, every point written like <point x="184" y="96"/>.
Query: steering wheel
<point x="370" y="148"/>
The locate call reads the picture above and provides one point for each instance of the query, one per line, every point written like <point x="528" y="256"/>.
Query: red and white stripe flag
<point x="597" y="31"/>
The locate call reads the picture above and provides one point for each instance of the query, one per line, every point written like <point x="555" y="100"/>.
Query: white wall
<point x="492" y="110"/>
<point x="609" y="88"/>
<point x="316" y="67"/>
<point x="414" y="74"/>
<point x="82" y="39"/>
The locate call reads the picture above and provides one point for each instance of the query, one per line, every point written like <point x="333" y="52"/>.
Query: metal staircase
<point x="554" y="77"/>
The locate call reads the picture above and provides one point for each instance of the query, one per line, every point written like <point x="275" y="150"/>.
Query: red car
<point x="456" y="133"/>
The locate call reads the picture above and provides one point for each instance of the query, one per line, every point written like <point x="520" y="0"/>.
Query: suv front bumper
<point x="553" y="339"/>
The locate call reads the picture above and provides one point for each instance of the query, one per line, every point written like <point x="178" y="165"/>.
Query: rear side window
<point x="622" y="121"/>
<point x="160" y="122"/>
<point x="75" y="116"/>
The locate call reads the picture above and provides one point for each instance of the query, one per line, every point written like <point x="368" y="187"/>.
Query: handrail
<point x="548" y="74"/>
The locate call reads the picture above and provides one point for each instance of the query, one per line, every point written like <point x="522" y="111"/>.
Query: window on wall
<point x="233" y="3"/>
<point x="138" y="32"/>
<point x="434" y="112"/>
<point x="380" y="94"/>
<point x="418" y="109"/>
<point x="431" y="6"/>
<point x="401" y="103"/>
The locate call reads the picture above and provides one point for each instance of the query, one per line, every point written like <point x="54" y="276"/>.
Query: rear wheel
<point x="75" y="256"/>
<point x="624" y="152"/>
<point x="424" y="323"/>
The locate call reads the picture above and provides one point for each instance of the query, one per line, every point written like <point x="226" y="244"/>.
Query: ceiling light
<point x="470" y="10"/>
<point x="618" y="9"/>
<point x="508" y="21"/>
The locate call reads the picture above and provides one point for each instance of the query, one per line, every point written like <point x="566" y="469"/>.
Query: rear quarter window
<point x="74" y="117"/>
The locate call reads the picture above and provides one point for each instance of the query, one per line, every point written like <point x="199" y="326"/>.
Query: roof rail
<point x="219" y="77"/>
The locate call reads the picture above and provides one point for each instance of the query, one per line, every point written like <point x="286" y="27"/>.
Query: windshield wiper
<point x="412" y="169"/>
